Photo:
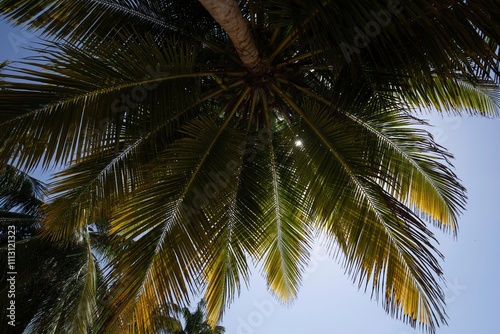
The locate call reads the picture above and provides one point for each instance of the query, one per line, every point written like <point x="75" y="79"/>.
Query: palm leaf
<point x="96" y="86"/>
<point x="475" y="98"/>
<point x="382" y="239"/>
<point x="285" y="238"/>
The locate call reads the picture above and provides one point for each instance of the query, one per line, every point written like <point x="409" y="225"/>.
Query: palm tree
<point x="62" y="286"/>
<point x="195" y="322"/>
<point x="208" y="134"/>
<point x="52" y="282"/>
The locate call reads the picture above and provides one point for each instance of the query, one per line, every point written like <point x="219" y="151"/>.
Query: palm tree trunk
<point x="228" y="15"/>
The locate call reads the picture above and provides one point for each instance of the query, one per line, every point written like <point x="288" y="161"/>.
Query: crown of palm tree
<point x="209" y="134"/>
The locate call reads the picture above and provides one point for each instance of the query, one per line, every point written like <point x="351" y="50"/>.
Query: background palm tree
<point x="56" y="283"/>
<point x="195" y="322"/>
<point x="53" y="282"/>
<point x="203" y="135"/>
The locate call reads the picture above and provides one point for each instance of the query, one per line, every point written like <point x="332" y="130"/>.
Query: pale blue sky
<point x="329" y="303"/>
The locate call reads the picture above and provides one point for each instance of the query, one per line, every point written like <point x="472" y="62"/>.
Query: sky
<point x="329" y="302"/>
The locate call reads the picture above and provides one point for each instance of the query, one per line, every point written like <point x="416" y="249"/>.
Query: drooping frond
<point x="458" y="97"/>
<point x="353" y="203"/>
<point x="286" y="238"/>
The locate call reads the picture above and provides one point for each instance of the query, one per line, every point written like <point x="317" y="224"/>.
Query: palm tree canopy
<point x="207" y="137"/>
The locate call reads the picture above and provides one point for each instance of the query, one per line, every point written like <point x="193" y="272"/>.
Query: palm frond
<point x="103" y="16"/>
<point x="421" y="181"/>
<point x="109" y="92"/>
<point x="285" y="238"/>
<point x="226" y="265"/>
<point x="481" y="98"/>
<point x="382" y="239"/>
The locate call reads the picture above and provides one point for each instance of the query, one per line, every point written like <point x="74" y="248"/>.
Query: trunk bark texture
<point x="229" y="16"/>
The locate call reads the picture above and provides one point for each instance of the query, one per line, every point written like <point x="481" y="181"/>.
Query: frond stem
<point x="104" y="90"/>
<point x="300" y="57"/>
<point x="222" y="128"/>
